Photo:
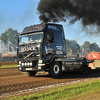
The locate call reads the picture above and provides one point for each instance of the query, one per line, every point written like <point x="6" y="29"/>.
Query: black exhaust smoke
<point x="87" y="11"/>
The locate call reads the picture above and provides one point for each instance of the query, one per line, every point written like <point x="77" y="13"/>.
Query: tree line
<point x="72" y="47"/>
<point x="10" y="37"/>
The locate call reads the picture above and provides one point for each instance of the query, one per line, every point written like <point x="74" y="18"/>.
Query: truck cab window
<point x="33" y="37"/>
<point x="50" y="37"/>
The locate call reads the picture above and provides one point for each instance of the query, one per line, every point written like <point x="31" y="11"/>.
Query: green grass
<point x="8" y="61"/>
<point x="64" y="93"/>
<point x="8" y="66"/>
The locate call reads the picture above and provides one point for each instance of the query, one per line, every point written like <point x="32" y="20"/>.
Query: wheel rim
<point x="56" y="69"/>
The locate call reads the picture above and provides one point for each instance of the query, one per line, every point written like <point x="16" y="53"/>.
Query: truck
<point x="42" y="48"/>
<point x="96" y="63"/>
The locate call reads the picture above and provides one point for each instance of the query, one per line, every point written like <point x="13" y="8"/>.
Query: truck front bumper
<point x="39" y="67"/>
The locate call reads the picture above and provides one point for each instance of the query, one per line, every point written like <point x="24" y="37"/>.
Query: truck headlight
<point x="30" y="63"/>
<point x="22" y="64"/>
<point x="25" y="63"/>
<point x="20" y="68"/>
<point x="40" y="61"/>
<point x="19" y="62"/>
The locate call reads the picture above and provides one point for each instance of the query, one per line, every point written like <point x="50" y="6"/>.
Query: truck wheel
<point x="31" y="73"/>
<point x="55" y="69"/>
<point x="84" y="68"/>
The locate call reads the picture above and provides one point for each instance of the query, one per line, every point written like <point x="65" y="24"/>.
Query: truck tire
<point x="84" y="68"/>
<point x="55" y="69"/>
<point x="31" y="73"/>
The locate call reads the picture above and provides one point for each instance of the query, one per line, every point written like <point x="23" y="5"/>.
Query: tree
<point x="9" y="37"/>
<point x="72" y="47"/>
<point x="94" y="47"/>
<point x="86" y="46"/>
<point x="67" y="46"/>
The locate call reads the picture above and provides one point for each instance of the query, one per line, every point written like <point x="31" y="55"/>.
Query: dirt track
<point x="11" y="79"/>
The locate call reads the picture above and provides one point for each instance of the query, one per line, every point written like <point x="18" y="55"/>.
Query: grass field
<point x="64" y="93"/>
<point x="8" y="66"/>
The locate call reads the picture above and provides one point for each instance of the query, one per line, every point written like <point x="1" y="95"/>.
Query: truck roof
<point x="37" y="28"/>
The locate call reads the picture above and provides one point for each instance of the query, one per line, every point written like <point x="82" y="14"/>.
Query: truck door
<point x="58" y="39"/>
<point x="50" y="43"/>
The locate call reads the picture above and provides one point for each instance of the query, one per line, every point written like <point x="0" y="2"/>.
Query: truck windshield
<point x="33" y="37"/>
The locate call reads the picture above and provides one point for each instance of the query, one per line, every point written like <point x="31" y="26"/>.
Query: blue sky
<point x="18" y="14"/>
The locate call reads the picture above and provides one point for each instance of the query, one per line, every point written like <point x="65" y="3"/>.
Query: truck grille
<point x="24" y="56"/>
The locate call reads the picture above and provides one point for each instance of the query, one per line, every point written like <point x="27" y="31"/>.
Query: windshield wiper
<point x="22" y="43"/>
<point x="29" y="42"/>
<point x="33" y="42"/>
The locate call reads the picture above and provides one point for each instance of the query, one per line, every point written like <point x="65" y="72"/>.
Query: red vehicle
<point x="96" y="57"/>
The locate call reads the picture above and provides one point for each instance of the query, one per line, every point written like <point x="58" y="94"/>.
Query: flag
<point x="70" y="50"/>
<point x="83" y="50"/>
